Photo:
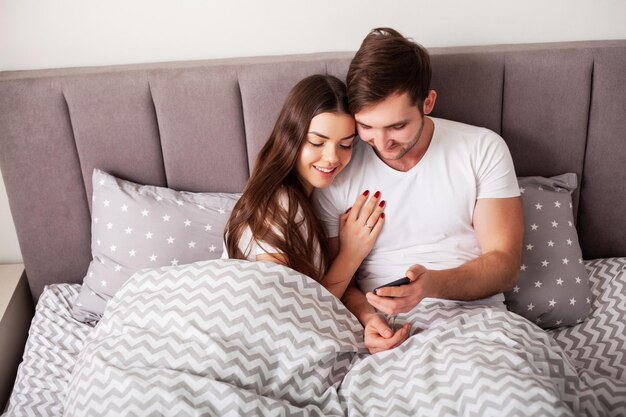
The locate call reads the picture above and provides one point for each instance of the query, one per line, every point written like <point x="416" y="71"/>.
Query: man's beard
<point x="404" y="149"/>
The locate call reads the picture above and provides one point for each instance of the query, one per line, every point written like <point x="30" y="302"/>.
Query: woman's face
<point x="327" y="149"/>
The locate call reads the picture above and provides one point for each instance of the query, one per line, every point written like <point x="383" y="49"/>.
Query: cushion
<point x="553" y="287"/>
<point x="141" y="226"/>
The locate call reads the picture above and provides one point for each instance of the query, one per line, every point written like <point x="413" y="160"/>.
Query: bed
<point x="196" y="335"/>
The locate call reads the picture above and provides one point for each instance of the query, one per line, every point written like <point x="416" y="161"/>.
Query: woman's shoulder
<point x="286" y="201"/>
<point x="282" y="197"/>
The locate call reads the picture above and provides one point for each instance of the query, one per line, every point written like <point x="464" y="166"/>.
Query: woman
<point x="274" y="221"/>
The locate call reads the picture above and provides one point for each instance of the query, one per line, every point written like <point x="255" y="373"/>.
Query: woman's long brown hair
<point x="274" y="178"/>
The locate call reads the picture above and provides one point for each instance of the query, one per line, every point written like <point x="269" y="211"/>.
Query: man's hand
<point x="379" y="336"/>
<point x="402" y="299"/>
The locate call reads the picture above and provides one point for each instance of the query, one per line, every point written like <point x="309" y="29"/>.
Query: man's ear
<point x="429" y="102"/>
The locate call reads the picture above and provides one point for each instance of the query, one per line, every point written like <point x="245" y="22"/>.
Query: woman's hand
<point x="360" y="226"/>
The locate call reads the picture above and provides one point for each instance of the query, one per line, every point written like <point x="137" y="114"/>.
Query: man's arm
<point x="499" y="228"/>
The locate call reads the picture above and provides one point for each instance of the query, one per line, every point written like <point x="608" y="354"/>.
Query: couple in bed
<point x="430" y="199"/>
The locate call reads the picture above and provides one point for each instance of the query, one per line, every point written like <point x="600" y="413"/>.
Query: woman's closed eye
<point x="320" y="144"/>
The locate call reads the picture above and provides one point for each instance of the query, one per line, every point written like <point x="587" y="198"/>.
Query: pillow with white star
<point x="553" y="286"/>
<point x="137" y="226"/>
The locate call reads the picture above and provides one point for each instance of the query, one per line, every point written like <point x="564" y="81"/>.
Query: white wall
<point x="66" y="33"/>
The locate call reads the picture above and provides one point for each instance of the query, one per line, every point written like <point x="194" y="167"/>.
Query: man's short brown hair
<point x="388" y="63"/>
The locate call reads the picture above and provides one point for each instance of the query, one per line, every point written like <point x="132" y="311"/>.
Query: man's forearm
<point x="489" y="274"/>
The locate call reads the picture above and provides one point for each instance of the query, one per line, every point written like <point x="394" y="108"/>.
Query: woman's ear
<point x="429" y="102"/>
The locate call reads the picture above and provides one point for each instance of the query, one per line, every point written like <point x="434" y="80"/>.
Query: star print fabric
<point x="140" y="226"/>
<point x="553" y="285"/>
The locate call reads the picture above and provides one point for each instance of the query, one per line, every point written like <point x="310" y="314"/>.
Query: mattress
<point x="597" y="346"/>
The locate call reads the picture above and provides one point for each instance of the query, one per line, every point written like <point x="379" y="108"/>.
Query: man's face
<point x="392" y="127"/>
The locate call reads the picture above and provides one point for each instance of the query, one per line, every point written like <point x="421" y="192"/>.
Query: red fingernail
<point x="366" y="192"/>
<point x="377" y="194"/>
<point x="381" y="204"/>
<point x="349" y="208"/>
<point x="382" y="215"/>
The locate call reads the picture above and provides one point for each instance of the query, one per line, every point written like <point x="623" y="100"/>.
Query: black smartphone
<point x="396" y="283"/>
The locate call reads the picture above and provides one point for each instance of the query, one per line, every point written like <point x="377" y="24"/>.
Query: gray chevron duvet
<point x="218" y="338"/>
<point x="233" y="338"/>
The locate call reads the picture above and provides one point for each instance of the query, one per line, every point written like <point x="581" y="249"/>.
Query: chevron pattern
<point x="475" y="361"/>
<point x="54" y="341"/>
<point x="598" y="345"/>
<point x="471" y="361"/>
<point x="225" y="338"/>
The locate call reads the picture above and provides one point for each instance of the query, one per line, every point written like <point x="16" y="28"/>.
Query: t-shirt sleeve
<point x="494" y="169"/>
<point x="326" y="210"/>
<point x="251" y="247"/>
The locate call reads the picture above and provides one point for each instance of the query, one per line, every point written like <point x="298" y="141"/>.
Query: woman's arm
<point x="339" y="274"/>
<point x="341" y="270"/>
<point x="359" y="228"/>
<point x="277" y="258"/>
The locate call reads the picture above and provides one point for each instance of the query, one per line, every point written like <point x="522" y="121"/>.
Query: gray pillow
<point x="553" y="287"/>
<point x="140" y="226"/>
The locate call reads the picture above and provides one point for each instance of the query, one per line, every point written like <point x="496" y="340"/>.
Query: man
<point x="454" y="222"/>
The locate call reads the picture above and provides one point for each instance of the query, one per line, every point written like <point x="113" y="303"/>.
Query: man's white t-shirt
<point x="429" y="209"/>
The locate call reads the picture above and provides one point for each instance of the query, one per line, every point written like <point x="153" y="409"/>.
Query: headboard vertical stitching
<point x="582" y="169"/>
<point x="69" y="118"/>
<point x="243" y="121"/>
<point x="156" y="117"/>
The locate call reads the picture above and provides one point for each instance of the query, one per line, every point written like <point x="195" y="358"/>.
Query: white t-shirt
<point x="429" y="209"/>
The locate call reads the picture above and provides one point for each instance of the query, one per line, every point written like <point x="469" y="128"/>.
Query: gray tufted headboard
<point x="197" y="126"/>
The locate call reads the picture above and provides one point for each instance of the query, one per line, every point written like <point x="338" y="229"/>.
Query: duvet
<point x="233" y="338"/>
